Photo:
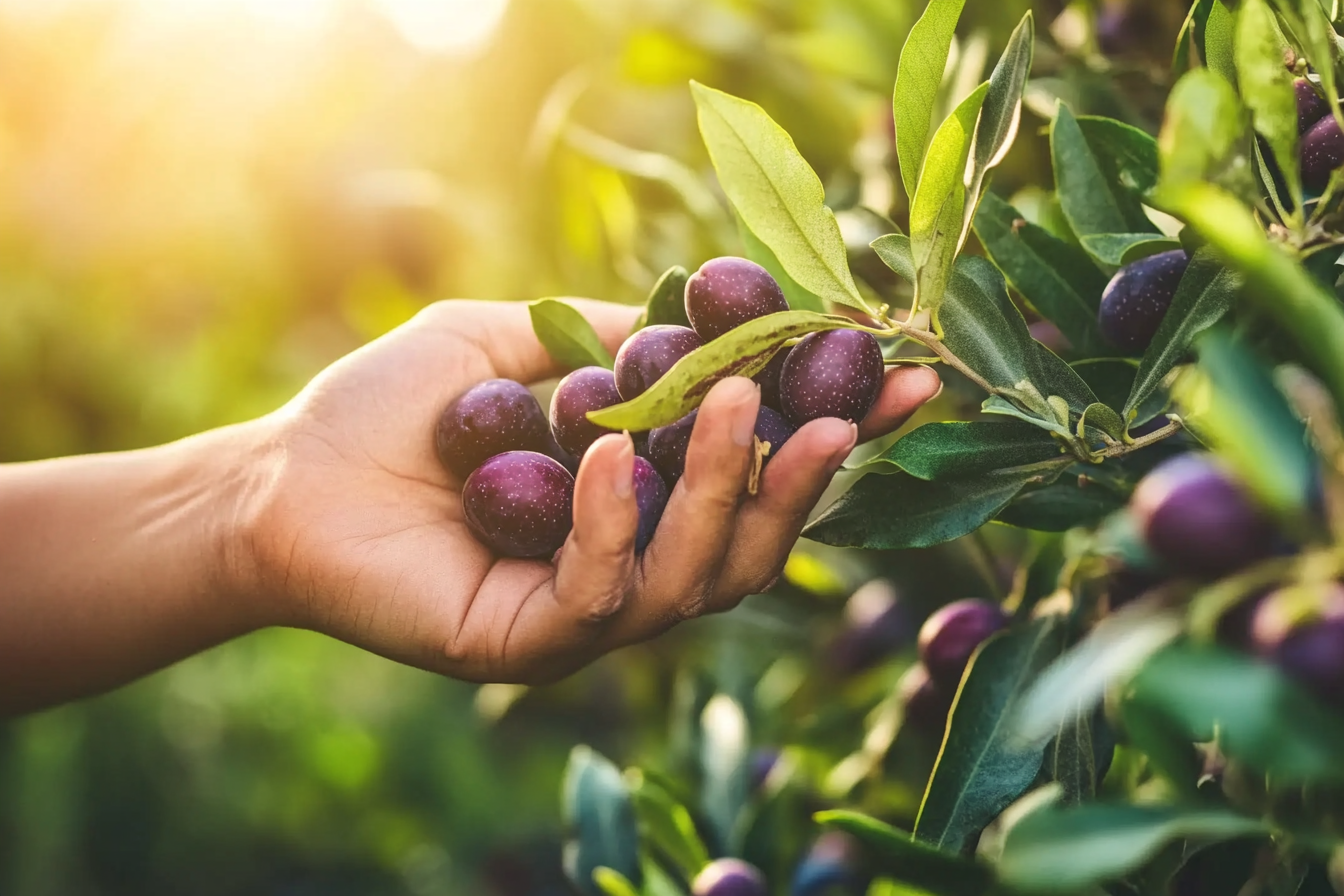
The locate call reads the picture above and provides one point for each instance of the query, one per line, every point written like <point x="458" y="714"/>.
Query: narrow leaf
<point x="1092" y="201"/>
<point x="1127" y="155"/>
<point x="667" y="300"/>
<point x="776" y="193"/>
<point x="957" y="449"/>
<point x="900" y="511"/>
<point x="1218" y="40"/>
<point x="894" y="854"/>
<point x="743" y="351"/>
<point x="1267" y="88"/>
<point x="918" y="77"/>
<point x="937" y="214"/>
<point x="1003" y="104"/>
<point x="613" y="883"/>
<point x="1071" y="758"/>
<point x="1068" y="849"/>
<point x="567" y="336"/>
<point x="1206" y="292"/>
<point x="983" y="766"/>
<point x="1103" y="418"/>
<point x="1057" y="278"/>
<point x="668" y="825"/>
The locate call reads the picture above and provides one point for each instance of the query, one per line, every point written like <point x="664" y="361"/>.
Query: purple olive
<point x="1321" y="151"/>
<point x="1195" y="518"/>
<point x="488" y="419"/>
<point x="837" y="373"/>
<point x="586" y="389"/>
<point x="876" y="626"/>
<point x="926" y="704"/>
<point x="768" y="379"/>
<point x="668" y="444"/>
<point x="727" y="292"/>
<point x="1303" y="634"/>
<point x="949" y="637"/>
<point x="520" y="504"/>
<point x="729" y="877"/>
<point x="651" y="497"/>
<point x="650" y="353"/>
<point x="1311" y="106"/>
<point x="1137" y="298"/>
<point x="834" y="865"/>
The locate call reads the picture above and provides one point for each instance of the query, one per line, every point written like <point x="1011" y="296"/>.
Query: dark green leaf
<point x="1267" y="87"/>
<point x="743" y="351"/>
<point x="1058" y="279"/>
<point x="668" y="826"/>
<point x="899" y="511"/>
<point x="1071" y="758"/>
<point x="599" y="814"/>
<point x="798" y="298"/>
<point x="1062" y="505"/>
<point x="938" y="211"/>
<point x="919" y="74"/>
<point x="956" y="449"/>
<point x="1068" y="849"/>
<point x="1118" y="249"/>
<point x="776" y="193"/>
<point x="567" y="336"/>
<point x="1092" y="201"/>
<point x="894" y="854"/>
<point x="1206" y="292"/>
<point x="667" y="301"/>
<point x="1112" y="379"/>
<point x="1191" y="35"/>
<point x="983" y="766"/>
<point x="1261" y="717"/>
<point x="1127" y="155"/>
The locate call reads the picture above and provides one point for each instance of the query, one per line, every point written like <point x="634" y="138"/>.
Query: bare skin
<point x="333" y="514"/>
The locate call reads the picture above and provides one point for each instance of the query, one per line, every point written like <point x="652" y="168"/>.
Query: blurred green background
<point x="204" y="202"/>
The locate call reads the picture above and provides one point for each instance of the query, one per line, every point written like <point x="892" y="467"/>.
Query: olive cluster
<point x="1199" y="522"/>
<point x="519" y="463"/>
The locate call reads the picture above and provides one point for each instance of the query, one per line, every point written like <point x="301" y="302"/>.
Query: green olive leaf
<point x="743" y="351"/>
<point x="919" y="74"/>
<point x="776" y="193"/>
<point x="938" y="212"/>
<point x="667" y="300"/>
<point x="1267" y="87"/>
<point x="567" y="335"/>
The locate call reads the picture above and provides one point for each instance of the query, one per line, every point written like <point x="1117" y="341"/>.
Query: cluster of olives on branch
<point x="519" y="467"/>
<point x="1321" y="143"/>
<point x="1198" y="522"/>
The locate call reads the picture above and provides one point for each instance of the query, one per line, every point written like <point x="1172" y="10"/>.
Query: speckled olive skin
<point x="651" y="494"/>
<point x="768" y="379"/>
<point x="727" y="292"/>
<point x="1322" y="151"/>
<point x="926" y="704"/>
<point x="1310" y="650"/>
<point x="668" y="444"/>
<point x="949" y="637"/>
<point x="1196" y="519"/>
<point x="586" y="389"/>
<point x="1137" y="298"/>
<point x="1311" y="106"/>
<point x="650" y="353"/>
<point x="489" y="418"/>
<point x="729" y="877"/>
<point x="520" y="504"/>
<point x="837" y="373"/>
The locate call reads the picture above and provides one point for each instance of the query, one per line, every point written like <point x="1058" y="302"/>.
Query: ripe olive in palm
<point x="519" y="504"/>
<point x="488" y="419"/>
<point x="727" y="292"/>
<point x="836" y="373"/>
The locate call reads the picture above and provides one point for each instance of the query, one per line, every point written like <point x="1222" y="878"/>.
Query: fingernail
<point x="623" y="475"/>
<point x="744" y="427"/>
<point x="839" y="456"/>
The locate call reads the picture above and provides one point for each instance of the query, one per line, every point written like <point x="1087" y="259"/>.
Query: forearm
<point x="114" y="565"/>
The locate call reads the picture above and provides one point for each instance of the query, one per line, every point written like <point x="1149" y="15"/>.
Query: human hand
<point x="357" y="530"/>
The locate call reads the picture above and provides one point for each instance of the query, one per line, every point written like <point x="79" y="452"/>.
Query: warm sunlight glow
<point x="445" y="26"/>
